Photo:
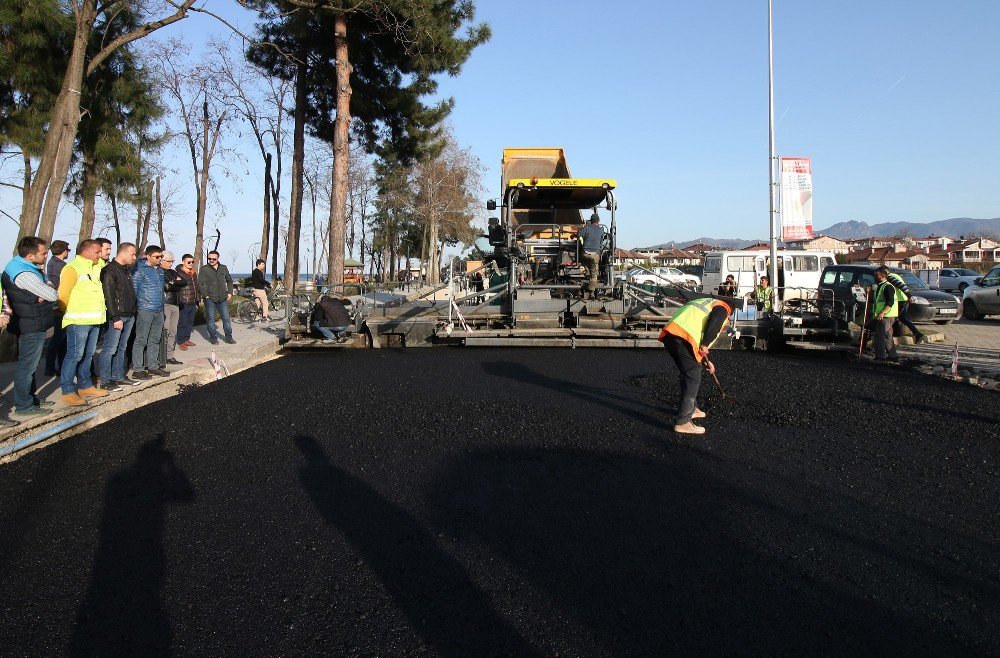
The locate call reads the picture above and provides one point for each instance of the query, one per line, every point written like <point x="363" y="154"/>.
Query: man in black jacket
<point x="259" y="286"/>
<point x="119" y="297"/>
<point x="331" y="318"/>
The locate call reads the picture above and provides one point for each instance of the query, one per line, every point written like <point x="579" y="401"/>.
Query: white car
<point x="956" y="279"/>
<point x="661" y="276"/>
<point x="983" y="297"/>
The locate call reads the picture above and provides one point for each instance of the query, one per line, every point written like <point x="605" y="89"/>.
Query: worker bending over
<point x="688" y="337"/>
<point x="884" y="313"/>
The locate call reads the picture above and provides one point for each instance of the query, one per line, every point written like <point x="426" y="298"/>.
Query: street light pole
<point x="773" y="187"/>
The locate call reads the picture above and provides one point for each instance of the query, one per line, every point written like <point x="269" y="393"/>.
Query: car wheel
<point x="962" y="286"/>
<point x="969" y="310"/>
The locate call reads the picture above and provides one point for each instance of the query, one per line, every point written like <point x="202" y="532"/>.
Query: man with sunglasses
<point x="216" y="286"/>
<point x="188" y="297"/>
<point x="148" y="279"/>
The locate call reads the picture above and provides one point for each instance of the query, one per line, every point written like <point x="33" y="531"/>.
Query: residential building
<point x="675" y="257"/>
<point x="701" y="248"/>
<point x="625" y="258"/>
<point x="822" y="243"/>
<point x="910" y="259"/>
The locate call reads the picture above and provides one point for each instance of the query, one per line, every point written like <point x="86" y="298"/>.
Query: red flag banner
<point x="796" y="199"/>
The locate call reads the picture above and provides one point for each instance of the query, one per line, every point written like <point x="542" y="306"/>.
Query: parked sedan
<point x="983" y="296"/>
<point x="927" y="305"/>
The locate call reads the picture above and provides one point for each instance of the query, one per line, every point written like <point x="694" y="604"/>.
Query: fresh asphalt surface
<point x="464" y="502"/>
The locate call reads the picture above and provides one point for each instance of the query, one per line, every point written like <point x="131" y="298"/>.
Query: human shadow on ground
<point x="449" y="611"/>
<point x="122" y="613"/>
<point x="605" y="397"/>
<point x="658" y="556"/>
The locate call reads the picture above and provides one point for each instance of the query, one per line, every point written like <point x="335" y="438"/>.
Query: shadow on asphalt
<point x="590" y="394"/>
<point x="122" y="612"/>
<point x="432" y="589"/>
<point x="653" y="556"/>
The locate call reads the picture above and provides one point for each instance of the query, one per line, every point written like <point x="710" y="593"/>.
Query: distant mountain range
<point x="853" y="230"/>
<point x="953" y="228"/>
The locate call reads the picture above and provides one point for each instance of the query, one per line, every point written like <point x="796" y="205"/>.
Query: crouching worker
<point x="688" y="337"/>
<point x="331" y="318"/>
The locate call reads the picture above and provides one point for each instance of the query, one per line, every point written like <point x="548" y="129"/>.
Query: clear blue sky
<point x="896" y="102"/>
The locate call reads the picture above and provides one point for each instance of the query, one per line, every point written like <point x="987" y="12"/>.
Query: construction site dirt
<point x="467" y="502"/>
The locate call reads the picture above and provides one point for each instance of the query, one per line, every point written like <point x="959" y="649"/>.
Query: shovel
<point x="725" y="397"/>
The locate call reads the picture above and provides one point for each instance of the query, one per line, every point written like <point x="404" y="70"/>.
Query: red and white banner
<point x="796" y="199"/>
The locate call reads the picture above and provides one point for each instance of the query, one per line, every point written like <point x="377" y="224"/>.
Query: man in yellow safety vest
<point x="81" y="299"/>
<point x="688" y="337"/>
<point x="884" y="313"/>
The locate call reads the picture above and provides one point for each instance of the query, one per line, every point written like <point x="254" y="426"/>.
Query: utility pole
<point x="773" y="217"/>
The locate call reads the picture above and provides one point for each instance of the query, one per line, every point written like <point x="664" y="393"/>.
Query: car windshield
<point x="966" y="272"/>
<point x="912" y="282"/>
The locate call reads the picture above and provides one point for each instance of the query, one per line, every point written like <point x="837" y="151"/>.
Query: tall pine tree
<point x="373" y="75"/>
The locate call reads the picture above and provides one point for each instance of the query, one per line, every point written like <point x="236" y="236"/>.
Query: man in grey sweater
<point x="216" y="286"/>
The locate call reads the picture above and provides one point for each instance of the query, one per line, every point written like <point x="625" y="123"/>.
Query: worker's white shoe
<point x="689" y="428"/>
<point x="698" y="413"/>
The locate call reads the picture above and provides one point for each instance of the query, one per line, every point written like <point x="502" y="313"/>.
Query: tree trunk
<point x="341" y="150"/>
<point x="149" y="213"/>
<point x="266" y="235"/>
<point x="433" y="271"/>
<point x="275" y="222"/>
<point x="423" y="250"/>
<point x="114" y="215"/>
<point x="58" y="148"/>
<point x="27" y="179"/>
<point x="298" y="170"/>
<point x="159" y="214"/>
<point x="90" y="185"/>
<point x="199" y="221"/>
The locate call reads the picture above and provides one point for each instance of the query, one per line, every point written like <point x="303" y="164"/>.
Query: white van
<point x="798" y="271"/>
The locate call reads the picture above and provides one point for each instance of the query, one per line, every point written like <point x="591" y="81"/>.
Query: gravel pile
<point x="466" y="502"/>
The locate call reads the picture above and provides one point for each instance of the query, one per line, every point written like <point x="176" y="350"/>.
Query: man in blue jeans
<point x="119" y="297"/>
<point x="81" y="298"/>
<point x="148" y="280"/>
<point x="216" y="287"/>
<point x="32" y="301"/>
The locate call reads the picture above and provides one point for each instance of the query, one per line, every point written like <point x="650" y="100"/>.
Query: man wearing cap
<point x="688" y="338"/>
<point x="591" y="239"/>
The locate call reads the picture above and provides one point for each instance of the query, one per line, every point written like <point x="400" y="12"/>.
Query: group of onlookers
<point x="143" y="300"/>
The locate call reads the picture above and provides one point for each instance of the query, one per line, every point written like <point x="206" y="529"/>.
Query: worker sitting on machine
<point x="763" y="295"/>
<point x="591" y="238"/>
